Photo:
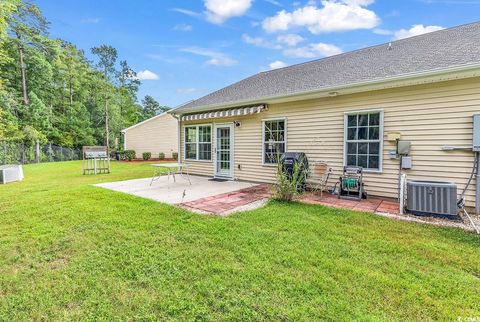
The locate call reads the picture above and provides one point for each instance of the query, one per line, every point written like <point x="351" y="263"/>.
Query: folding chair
<point x="319" y="174"/>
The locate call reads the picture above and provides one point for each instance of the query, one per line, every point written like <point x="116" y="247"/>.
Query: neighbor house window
<point x="274" y="140"/>
<point x="363" y="133"/>
<point x="198" y="142"/>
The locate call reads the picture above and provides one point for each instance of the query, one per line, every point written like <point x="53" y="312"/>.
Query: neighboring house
<point x="155" y="135"/>
<point x="340" y="109"/>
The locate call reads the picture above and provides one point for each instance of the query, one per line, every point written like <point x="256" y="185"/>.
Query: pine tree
<point x="50" y="91"/>
<point x="151" y="107"/>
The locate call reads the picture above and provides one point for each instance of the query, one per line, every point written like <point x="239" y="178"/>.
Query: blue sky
<point x="186" y="49"/>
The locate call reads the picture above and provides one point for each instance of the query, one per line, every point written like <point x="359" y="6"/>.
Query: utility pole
<point x="106" y="124"/>
<point x="71" y="95"/>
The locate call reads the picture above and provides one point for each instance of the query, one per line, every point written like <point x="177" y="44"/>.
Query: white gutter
<point x="172" y="111"/>
<point x="458" y="72"/>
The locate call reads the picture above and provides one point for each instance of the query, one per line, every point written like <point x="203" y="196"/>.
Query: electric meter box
<point x="406" y="163"/>
<point x="403" y="147"/>
<point x="476" y="133"/>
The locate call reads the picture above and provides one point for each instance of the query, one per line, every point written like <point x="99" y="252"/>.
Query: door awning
<point x="241" y="111"/>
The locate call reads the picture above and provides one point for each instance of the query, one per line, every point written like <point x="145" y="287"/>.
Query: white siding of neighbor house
<point x="430" y="116"/>
<point x="156" y="135"/>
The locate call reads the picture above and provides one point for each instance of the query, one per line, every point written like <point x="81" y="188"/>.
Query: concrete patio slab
<point x="177" y="192"/>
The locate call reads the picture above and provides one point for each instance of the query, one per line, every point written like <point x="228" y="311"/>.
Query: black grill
<point x="288" y="161"/>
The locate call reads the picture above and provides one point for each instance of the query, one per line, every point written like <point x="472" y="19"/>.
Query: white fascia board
<point x="459" y="72"/>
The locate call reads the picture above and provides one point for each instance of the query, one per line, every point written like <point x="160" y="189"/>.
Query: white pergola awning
<point x="225" y="113"/>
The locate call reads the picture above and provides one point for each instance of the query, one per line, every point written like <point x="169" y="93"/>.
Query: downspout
<point x="124" y="139"/>
<point x="477" y="183"/>
<point x="179" y="139"/>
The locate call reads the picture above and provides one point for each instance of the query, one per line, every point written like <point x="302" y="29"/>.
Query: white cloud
<point x="290" y="39"/>
<point x="147" y="75"/>
<point x="222" y="61"/>
<point x="415" y="31"/>
<point x="383" y="32"/>
<point x="218" y="11"/>
<point x="216" y="58"/>
<point x="274" y="2"/>
<point x="183" y="27"/>
<point x="313" y="51"/>
<point x="288" y="42"/>
<point x="187" y="12"/>
<point x="277" y="64"/>
<point x="93" y="20"/>
<point x="359" y="2"/>
<point x="279" y="43"/>
<point x="259" y="42"/>
<point x="333" y="16"/>
<point x="187" y="90"/>
<point x="281" y="21"/>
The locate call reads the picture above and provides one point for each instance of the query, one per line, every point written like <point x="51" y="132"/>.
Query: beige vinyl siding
<point x="430" y="116"/>
<point x="156" y="135"/>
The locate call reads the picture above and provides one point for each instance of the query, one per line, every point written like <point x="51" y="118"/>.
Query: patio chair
<point x="319" y="174"/>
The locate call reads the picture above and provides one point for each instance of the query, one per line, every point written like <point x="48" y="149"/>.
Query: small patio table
<point x="172" y="169"/>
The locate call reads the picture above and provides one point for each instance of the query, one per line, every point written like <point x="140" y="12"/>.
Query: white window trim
<point x="196" y="126"/>
<point x="380" y="152"/>
<point x="263" y="138"/>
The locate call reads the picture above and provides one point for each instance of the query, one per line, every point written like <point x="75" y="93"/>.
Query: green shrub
<point x="129" y="155"/>
<point x="161" y="156"/>
<point x="175" y="155"/>
<point x="113" y="153"/>
<point x="287" y="187"/>
<point x="146" y="156"/>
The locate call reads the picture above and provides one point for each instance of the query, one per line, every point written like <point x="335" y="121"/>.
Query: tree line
<point x="50" y="91"/>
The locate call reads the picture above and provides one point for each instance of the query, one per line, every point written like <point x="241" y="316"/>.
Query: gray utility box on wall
<point x="432" y="198"/>
<point x="406" y="163"/>
<point x="476" y="133"/>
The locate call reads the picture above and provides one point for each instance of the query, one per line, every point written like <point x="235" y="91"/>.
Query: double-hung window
<point x="198" y="142"/>
<point x="363" y="144"/>
<point x="274" y="140"/>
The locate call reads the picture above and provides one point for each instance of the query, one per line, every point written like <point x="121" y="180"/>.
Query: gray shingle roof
<point x="433" y="51"/>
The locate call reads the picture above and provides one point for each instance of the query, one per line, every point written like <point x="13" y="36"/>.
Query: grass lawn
<point x="69" y="250"/>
